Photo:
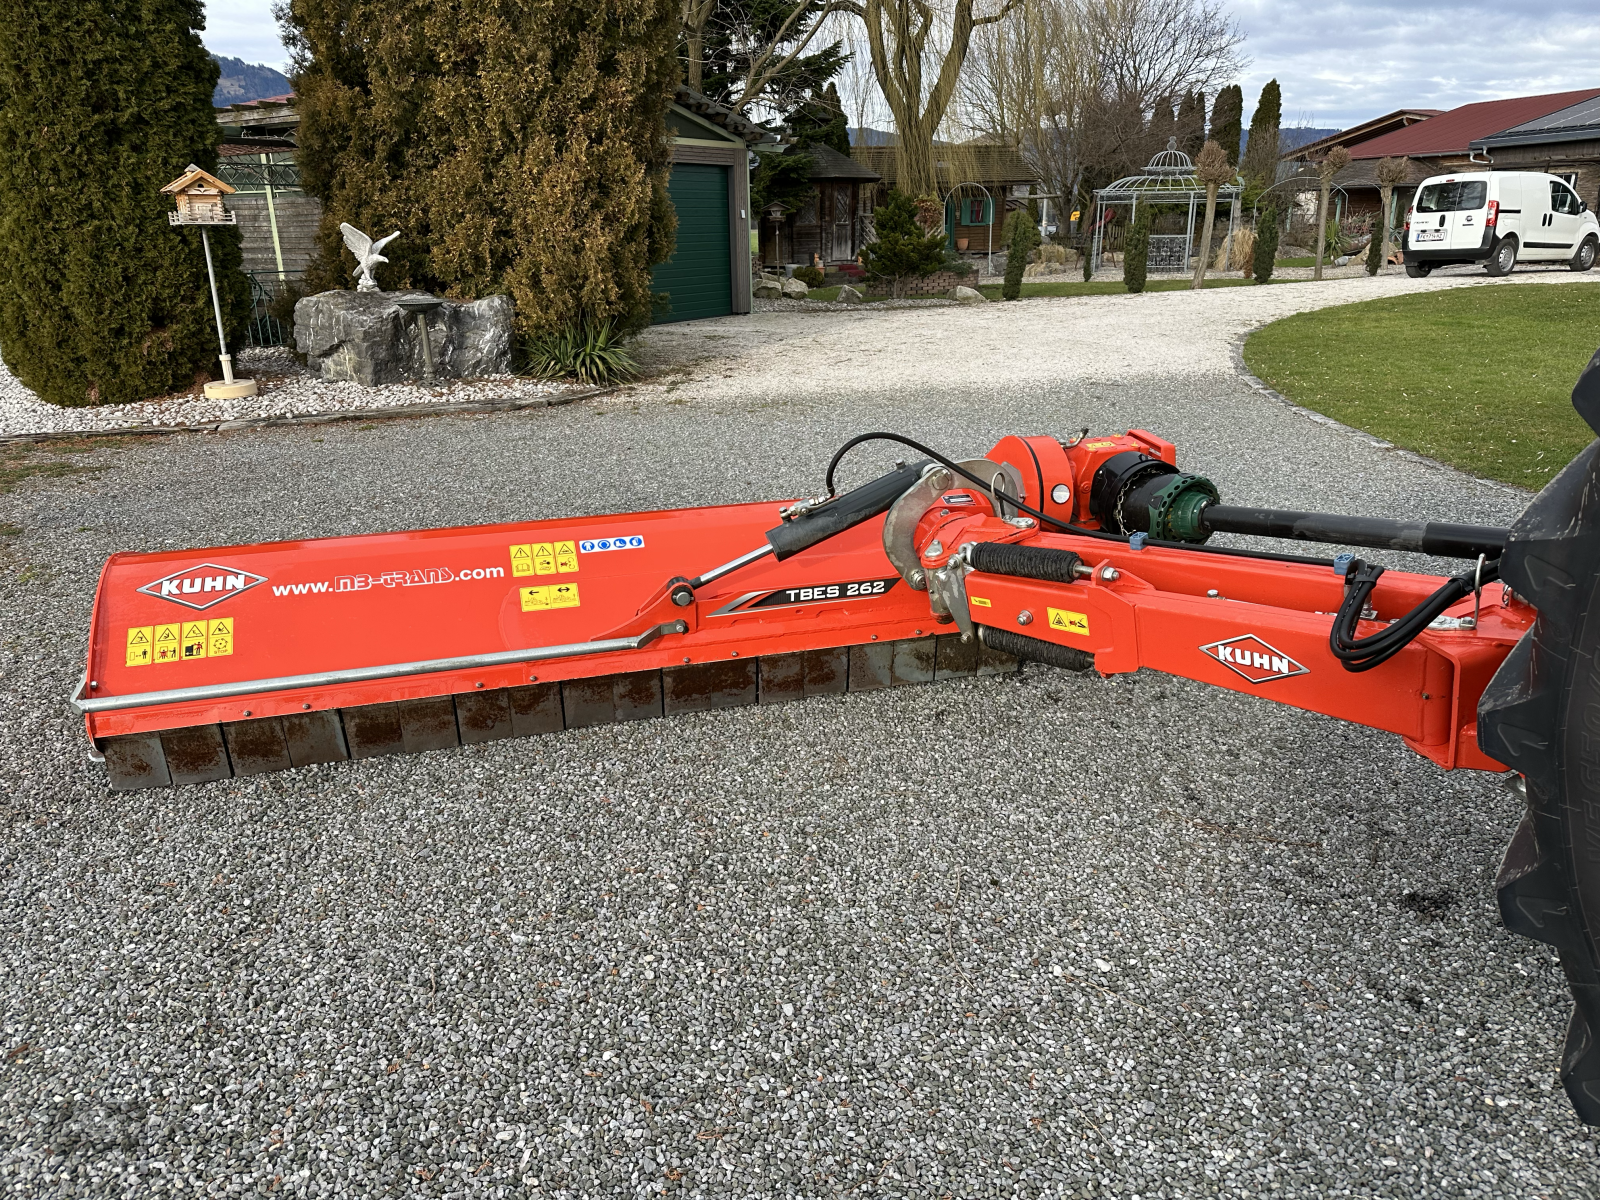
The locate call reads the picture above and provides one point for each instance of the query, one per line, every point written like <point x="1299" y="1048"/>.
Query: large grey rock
<point x="967" y="295"/>
<point x="849" y="295"/>
<point x="795" y="289"/>
<point x="768" y="288"/>
<point x="366" y="338"/>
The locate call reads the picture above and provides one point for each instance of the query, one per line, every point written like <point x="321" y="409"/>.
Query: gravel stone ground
<point x="285" y="389"/>
<point x="1040" y="935"/>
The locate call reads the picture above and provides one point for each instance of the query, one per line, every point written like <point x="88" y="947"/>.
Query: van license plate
<point x="1430" y="235"/>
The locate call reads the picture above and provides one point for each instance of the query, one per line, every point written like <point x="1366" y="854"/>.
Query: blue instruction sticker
<point x="627" y="542"/>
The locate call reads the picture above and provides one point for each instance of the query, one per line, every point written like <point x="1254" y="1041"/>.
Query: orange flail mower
<point x="1083" y="553"/>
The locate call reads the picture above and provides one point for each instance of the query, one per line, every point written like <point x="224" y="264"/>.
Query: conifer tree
<point x="1192" y="124"/>
<point x="903" y="249"/>
<point x="1261" y="154"/>
<point x="102" y="103"/>
<point x="1227" y="121"/>
<point x="1266" y="250"/>
<point x="1022" y="239"/>
<point x="518" y="146"/>
<point x="1136" y="250"/>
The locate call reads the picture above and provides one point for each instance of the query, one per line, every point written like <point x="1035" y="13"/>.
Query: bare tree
<point x="1145" y="52"/>
<point x="903" y="36"/>
<point x="1391" y="172"/>
<point x="1212" y="169"/>
<point x="1027" y="83"/>
<point x="1336" y="160"/>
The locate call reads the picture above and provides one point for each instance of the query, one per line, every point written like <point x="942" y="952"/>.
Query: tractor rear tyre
<point x="1541" y="717"/>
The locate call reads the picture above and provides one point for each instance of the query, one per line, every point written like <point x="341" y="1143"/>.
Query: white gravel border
<point x="287" y="390"/>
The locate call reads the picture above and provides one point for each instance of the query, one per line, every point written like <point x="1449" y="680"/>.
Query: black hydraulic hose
<point x="1442" y="539"/>
<point x="1362" y="654"/>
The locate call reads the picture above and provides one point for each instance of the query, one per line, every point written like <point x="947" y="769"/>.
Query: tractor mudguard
<point x="1540" y="715"/>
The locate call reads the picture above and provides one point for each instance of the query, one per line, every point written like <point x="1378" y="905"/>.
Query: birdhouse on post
<point x="199" y="196"/>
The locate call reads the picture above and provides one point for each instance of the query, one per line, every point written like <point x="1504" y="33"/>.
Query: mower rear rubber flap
<point x="204" y="753"/>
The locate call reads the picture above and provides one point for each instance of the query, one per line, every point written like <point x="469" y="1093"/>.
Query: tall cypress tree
<point x="1261" y="154"/>
<point x="519" y="146"/>
<point x="1192" y="124"/>
<point x="102" y="102"/>
<point x="1227" y="121"/>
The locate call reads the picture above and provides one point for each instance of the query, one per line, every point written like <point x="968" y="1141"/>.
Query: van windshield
<point x="1460" y="196"/>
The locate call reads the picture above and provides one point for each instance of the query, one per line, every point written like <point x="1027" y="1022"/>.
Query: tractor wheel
<point x="1541" y="717"/>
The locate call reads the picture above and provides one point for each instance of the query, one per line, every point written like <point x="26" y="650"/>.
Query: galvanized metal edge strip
<point x="284" y="683"/>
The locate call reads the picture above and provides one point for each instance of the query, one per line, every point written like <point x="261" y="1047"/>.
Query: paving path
<point x="1037" y="935"/>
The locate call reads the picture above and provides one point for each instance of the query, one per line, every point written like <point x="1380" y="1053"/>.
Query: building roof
<point x="253" y="146"/>
<point x="721" y="115"/>
<point x="1364" y="132"/>
<point x="828" y="163"/>
<point x="195" y="177"/>
<point x="1580" y="121"/>
<point x="1363" y="173"/>
<point x="981" y="164"/>
<point x="1453" y="132"/>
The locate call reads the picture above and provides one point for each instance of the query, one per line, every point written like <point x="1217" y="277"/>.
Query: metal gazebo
<point x="1168" y="180"/>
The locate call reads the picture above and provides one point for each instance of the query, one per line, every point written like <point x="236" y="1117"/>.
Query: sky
<point x="1338" y="63"/>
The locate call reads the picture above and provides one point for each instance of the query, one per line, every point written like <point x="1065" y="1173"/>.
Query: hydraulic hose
<point x="1362" y="654"/>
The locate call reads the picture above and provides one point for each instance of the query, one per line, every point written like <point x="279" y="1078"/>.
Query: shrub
<point x="810" y="276"/>
<point x="1375" y="248"/>
<point x="1022" y="236"/>
<point x="1136" y="250"/>
<point x="101" y="105"/>
<point x="1266" y="251"/>
<point x="590" y="352"/>
<point x="520" y="147"/>
<point x="903" y="250"/>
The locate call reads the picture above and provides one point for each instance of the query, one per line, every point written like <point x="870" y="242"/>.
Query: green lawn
<point x="1479" y="377"/>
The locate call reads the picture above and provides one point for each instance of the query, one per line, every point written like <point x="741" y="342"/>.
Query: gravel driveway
<point x="1027" y="936"/>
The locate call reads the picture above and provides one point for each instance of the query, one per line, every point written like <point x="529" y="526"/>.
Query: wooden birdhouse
<point x="199" y="195"/>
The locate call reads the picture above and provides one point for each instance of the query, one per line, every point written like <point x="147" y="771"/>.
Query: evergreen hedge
<point x="519" y="146"/>
<point x="1136" y="249"/>
<point x="1266" y="251"/>
<point x="102" y="103"/>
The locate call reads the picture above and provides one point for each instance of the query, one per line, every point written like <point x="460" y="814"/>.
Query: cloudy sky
<point x="1338" y="63"/>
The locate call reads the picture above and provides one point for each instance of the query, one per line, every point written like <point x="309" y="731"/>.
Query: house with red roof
<point x="1429" y="145"/>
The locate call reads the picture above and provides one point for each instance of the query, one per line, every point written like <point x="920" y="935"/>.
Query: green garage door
<point x="698" y="275"/>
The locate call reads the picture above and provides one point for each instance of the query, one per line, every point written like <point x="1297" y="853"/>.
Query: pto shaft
<point x="1442" y="538"/>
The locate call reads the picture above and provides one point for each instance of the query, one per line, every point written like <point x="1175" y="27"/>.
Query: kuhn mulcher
<point x="1080" y="553"/>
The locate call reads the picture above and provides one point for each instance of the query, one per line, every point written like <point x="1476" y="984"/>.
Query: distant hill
<point x="242" y="82"/>
<point x="867" y="136"/>
<point x="1295" y="136"/>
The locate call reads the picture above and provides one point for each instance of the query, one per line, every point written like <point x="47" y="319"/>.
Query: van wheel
<point x="1505" y="257"/>
<point x="1419" y="270"/>
<point x="1584" y="258"/>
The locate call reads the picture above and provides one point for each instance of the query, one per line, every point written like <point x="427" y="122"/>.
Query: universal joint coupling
<point x="1134" y="493"/>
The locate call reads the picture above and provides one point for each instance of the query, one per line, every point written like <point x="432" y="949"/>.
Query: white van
<point x="1496" y="218"/>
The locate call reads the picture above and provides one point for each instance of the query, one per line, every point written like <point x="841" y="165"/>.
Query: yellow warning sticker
<point x="219" y="637"/>
<point x="1106" y="445"/>
<point x="544" y="558"/>
<point x="566" y="557"/>
<point x="522" y="560"/>
<point x="978" y="602"/>
<point x="140" y="640"/>
<point x="165" y="641"/>
<point x="557" y="595"/>
<point x="194" y="639"/>
<point x="1069" y="622"/>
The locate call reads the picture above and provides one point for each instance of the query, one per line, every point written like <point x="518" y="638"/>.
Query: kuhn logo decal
<point x="202" y="586"/>
<point x="1254" y="659"/>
